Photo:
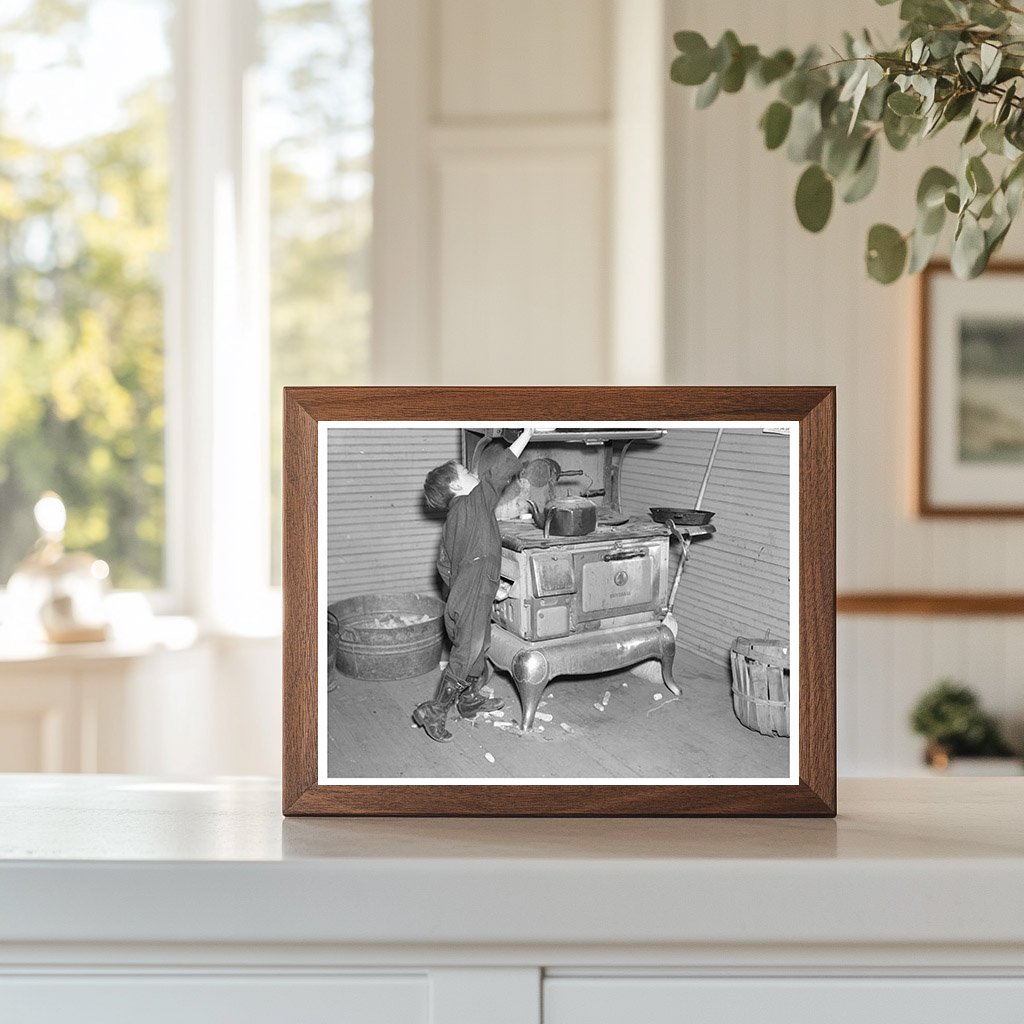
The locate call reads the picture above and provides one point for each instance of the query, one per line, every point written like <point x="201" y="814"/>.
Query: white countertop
<point x="120" y="859"/>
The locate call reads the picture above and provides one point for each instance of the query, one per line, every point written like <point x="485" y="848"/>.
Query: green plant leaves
<point x="985" y="14"/>
<point x="814" y="194"/>
<point x="865" y="173"/>
<point x="887" y="253"/>
<point x="693" y="65"/>
<point x="969" y="254"/>
<point x="904" y="103"/>
<point x="775" y="123"/>
<point x="805" y="133"/>
<point x="993" y="138"/>
<point x="771" y="69"/>
<point x="978" y="176"/>
<point x="956" y="60"/>
<point x="931" y="191"/>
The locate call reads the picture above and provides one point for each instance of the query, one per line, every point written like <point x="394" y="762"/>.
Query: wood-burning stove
<point x="587" y="604"/>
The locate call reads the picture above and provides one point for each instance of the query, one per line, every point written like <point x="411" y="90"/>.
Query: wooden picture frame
<point x="963" y="464"/>
<point x="805" y="416"/>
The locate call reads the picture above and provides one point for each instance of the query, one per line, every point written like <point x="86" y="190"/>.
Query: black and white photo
<point x="543" y="602"/>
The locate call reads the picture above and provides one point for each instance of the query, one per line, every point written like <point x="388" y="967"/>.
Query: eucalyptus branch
<point x="834" y="116"/>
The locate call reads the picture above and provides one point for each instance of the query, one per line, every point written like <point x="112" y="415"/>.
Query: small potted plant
<point x="950" y="717"/>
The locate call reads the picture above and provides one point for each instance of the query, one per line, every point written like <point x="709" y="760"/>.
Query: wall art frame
<point x="804" y="415"/>
<point x="969" y="448"/>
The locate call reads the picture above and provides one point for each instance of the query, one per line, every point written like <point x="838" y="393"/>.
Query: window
<point x="317" y="116"/>
<point x="83" y="236"/>
<point x="185" y="221"/>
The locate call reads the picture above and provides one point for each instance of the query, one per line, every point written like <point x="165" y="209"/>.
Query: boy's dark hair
<point x="438" y="485"/>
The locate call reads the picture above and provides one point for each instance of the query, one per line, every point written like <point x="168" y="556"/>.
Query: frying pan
<point x="682" y="516"/>
<point x="695" y="516"/>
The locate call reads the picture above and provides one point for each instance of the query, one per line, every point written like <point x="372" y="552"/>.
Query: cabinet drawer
<point x="224" y="999"/>
<point x="661" y="1000"/>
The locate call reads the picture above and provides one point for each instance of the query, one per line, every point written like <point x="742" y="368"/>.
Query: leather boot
<point x="472" y="702"/>
<point x="432" y="714"/>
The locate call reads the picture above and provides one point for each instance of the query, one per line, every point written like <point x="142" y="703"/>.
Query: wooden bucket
<point x="760" y="685"/>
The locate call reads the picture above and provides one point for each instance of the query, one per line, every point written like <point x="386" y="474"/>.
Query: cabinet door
<point x="655" y="1000"/>
<point x="206" y="999"/>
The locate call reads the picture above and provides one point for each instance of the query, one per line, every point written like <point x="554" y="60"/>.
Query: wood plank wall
<point x="380" y="536"/>
<point x="754" y="299"/>
<point x="737" y="582"/>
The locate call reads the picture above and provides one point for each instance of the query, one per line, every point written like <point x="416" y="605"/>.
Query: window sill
<point x="161" y="633"/>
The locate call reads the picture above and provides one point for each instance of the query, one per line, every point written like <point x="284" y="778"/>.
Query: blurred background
<point x="202" y="201"/>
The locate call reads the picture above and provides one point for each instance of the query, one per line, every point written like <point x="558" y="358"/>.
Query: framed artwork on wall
<point x="970" y="450"/>
<point x="559" y="601"/>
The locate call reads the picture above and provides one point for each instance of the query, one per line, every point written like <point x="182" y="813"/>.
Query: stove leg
<point x="530" y="672"/>
<point x="530" y="695"/>
<point x="667" y="654"/>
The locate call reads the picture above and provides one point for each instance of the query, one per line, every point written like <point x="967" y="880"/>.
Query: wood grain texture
<point x="924" y="505"/>
<point x="813" y="407"/>
<point x="298" y="584"/>
<point x="925" y="603"/>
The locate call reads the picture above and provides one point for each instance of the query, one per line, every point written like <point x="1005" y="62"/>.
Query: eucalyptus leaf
<point x="978" y="176"/>
<point x="925" y="88"/>
<point x="993" y="138"/>
<point x="794" y="88"/>
<point x="865" y="173"/>
<point x="1014" y="191"/>
<point x="724" y="51"/>
<point x="814" y="194"/>
<point x="1005" y="105"/>
<point x="1013" y="187"/>
<point x="707" y="93"/>
<point x="886" y="253"/>
<point x="904" y="103"/>
<point x="991" y="60"/>
<point x="987" y="15"/>
<point x="958" y="105"/>
<point x="933" y="122"/>
<point x="968" y="247"/>
<point x="952" y="202"/>
<point x="922" y="248"/>
<point x="735" y="74"/>
<point x="828" y="104"/>
<point x="775" y="124"/>
<point x="693" y="65"/>
<point x="932" y="221"/>
<point x="973" y="129"/>
<point x="805" y="133"/>
<point x="900" y="130"/>
<point x="771" y="69"/>
<point x="840" y="152"/>
<point x="873" y="106"/>
<point x="931" y="190"/>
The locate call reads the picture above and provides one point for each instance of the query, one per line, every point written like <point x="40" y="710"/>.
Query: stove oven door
<point x="625" y="579"/>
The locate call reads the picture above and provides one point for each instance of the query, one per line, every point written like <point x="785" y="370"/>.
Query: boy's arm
<point x="517" y="446"/>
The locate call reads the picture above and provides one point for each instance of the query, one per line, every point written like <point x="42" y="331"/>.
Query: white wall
<point x="754" y="299"/>
<point x="507" y="138"/>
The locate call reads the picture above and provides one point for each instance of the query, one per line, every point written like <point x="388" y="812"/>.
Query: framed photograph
<point x="971" y="393"/>
<point x="559" y="601"/>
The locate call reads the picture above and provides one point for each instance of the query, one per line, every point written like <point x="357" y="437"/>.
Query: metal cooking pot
<point x="566" y="517"/>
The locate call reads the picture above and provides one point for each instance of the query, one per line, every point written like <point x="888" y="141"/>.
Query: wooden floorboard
<point x="642" y="731"/>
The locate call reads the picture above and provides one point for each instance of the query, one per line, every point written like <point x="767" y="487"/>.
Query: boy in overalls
<point x="470" y="565"/>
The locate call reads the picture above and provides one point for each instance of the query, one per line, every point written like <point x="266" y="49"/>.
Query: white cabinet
<point x="132" y="898"/>
<point x="824" y="1000"/>
<point x="205" y="999"/>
